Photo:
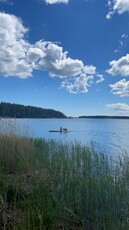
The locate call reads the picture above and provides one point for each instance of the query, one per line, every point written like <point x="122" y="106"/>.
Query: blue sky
<point x="67" y="55"/>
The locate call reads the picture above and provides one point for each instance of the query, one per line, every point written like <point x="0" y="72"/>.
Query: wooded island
<point x="21" y="111"/>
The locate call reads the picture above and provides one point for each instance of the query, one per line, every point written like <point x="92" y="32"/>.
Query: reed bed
<point x="46" y="184"/>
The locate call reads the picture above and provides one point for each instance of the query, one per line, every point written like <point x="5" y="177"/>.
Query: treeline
<point x="22" y="111"/>
<point x="105" y="117"/>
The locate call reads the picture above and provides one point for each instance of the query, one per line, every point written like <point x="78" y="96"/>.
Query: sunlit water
<point x="111" y="135"/>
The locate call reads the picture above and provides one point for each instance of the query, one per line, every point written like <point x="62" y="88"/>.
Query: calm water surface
<point x="112" y="135"/>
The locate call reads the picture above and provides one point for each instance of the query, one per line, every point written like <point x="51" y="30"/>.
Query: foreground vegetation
<point x="50" y="185"/>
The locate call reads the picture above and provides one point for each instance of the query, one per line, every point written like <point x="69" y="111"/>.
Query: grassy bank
<point x="50" y="185"/>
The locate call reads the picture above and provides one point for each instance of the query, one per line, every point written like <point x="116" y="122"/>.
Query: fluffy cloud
<point x="119" y="108"/>
<point x="13" y="47"/>
<point x="57" y="63"/>
<point x="56" y="1"/>
<point x="19" y="58"/>
<point x="117" y="6"/>
<point x="120" y="67"/>
<point x="90" y="69"/>
<point x="120" y="88"/>
<point x="34" y="54"/>
<point x="79" y="84"/>
<point x="100" y="78"/>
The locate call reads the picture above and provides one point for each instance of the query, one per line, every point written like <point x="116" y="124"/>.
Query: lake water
<point x="112" y="135"/>
<point x="109" y="135"/>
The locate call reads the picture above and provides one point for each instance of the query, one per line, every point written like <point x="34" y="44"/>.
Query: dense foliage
<point x="21" y="111"/>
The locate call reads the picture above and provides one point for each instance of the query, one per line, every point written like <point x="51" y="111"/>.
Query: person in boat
<point x="65" y="129"/>
<point x="61" y="129"/>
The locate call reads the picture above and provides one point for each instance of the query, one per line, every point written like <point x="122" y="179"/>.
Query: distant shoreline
<point x="9" y="110"/>
<point x="80" y="117"/>
<point x="105" y="117"/>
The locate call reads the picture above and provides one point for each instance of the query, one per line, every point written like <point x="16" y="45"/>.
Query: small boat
<point x="55" y="131"/>
<point x="59" y="131"/>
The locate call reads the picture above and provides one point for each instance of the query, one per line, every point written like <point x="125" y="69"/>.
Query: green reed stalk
<point x="54" y="185"/>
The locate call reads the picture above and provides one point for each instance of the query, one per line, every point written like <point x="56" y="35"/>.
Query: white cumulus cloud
<point x="120" y="108"/>
<point x="79" y="84"/>
<point x="56" y="1"/>
<point x="19" y="58"/>
<point x="117" y="6"/>
<point x="120" y="67"/>
<point x="34" y="54"/>
<point x="120" y="88"/>
<point x="13" y="47"/>
<point x="100" y="78"/>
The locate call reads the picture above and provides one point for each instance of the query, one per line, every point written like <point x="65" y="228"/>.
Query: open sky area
<point x="66" y="55"/>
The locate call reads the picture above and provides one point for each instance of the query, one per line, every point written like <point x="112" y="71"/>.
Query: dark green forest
<point x="21" y="111"/>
